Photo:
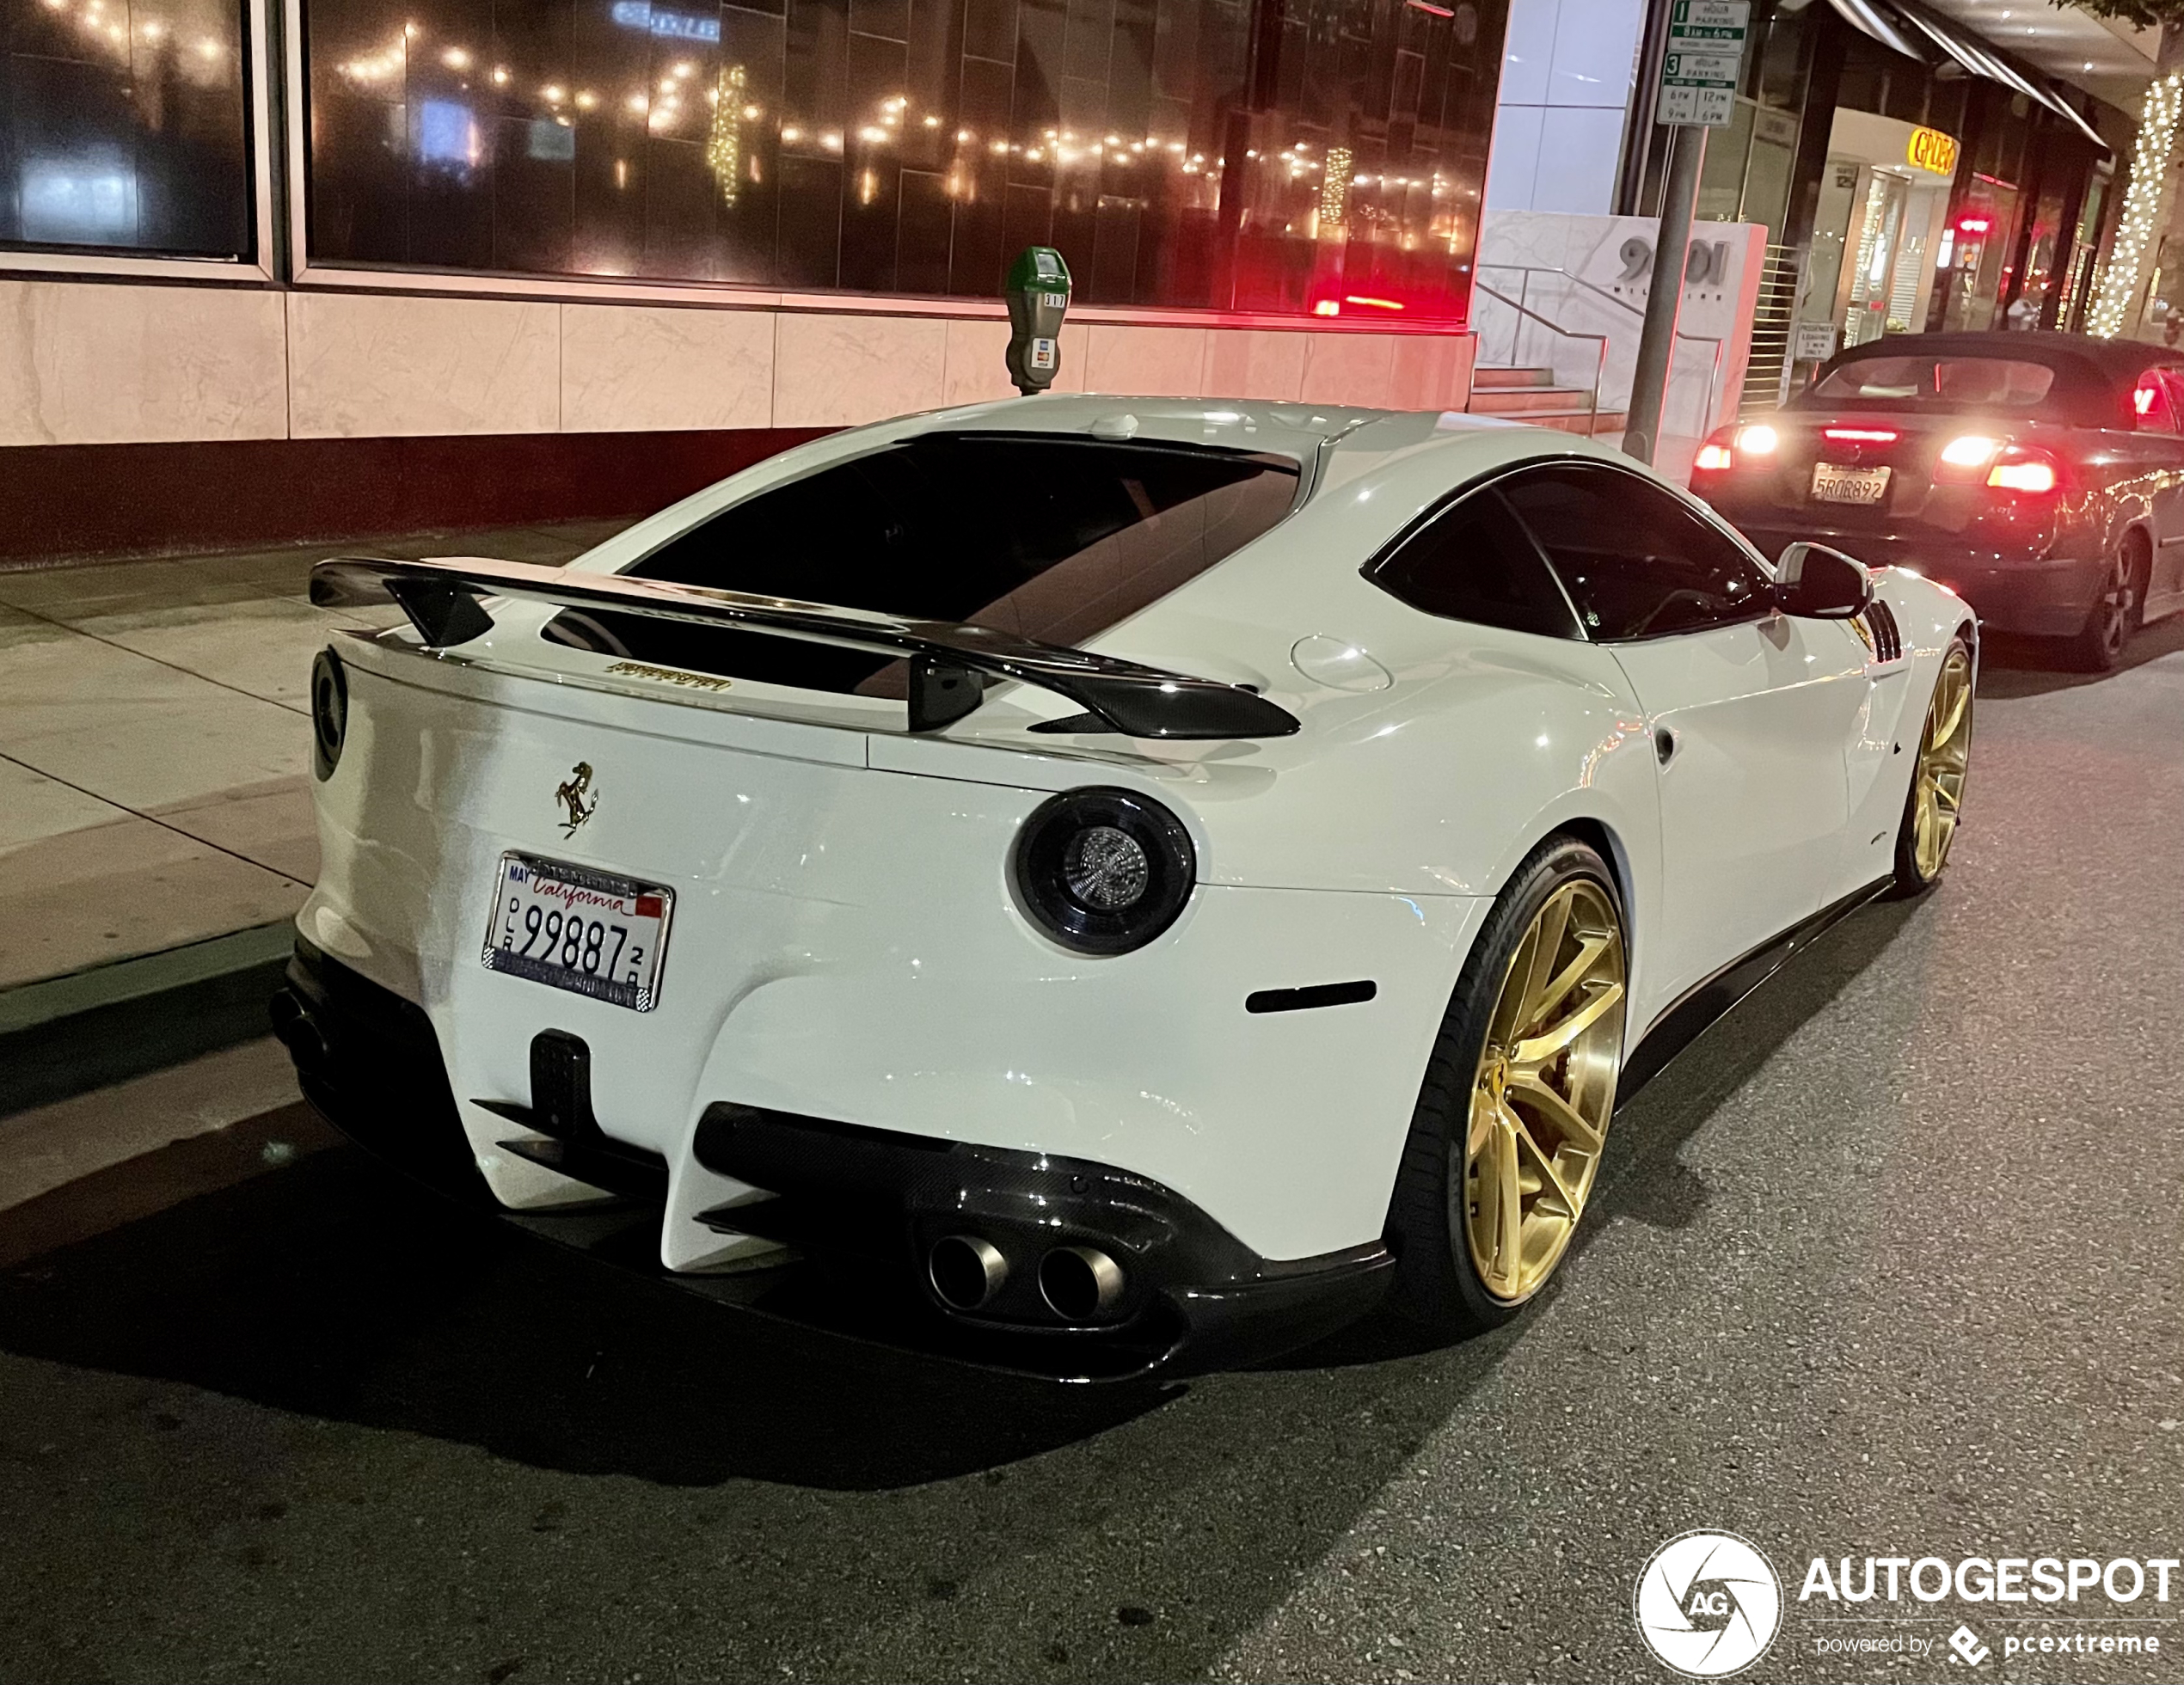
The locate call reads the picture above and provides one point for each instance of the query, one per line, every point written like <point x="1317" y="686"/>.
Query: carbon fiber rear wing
<point x="949" y="664"/>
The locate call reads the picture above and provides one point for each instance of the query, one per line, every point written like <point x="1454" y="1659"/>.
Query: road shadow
<point x="2012" y="667"/>
<point x="337" y="1289"/>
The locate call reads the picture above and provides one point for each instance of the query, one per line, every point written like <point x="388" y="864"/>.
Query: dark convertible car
<point x="2040" y="475"/>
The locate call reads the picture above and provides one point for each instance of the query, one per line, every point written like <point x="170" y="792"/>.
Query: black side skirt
<point x="1699" y="1006"/>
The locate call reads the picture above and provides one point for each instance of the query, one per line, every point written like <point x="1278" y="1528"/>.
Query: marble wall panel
<point x="85" y="363"/>
<point x="638" y="368"/>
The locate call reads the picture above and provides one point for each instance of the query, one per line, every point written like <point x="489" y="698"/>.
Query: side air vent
<point x="1882" y="635"/>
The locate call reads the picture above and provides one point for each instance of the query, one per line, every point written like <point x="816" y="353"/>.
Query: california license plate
<point x="575" y="929"/>
<point x="1834" y="484"/>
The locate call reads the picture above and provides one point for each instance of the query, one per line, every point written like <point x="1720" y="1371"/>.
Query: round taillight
<point x="329" y="713"/>
<point x="1103" y="870"/>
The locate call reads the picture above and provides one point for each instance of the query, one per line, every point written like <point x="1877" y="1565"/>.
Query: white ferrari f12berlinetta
<point x="1092" y="885"/>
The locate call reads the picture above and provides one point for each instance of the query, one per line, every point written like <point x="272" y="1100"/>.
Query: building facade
<point x="1916" y="170"/>
<point x="235" y="221"/>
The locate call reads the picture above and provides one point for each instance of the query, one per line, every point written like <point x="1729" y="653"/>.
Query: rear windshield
<point x="2005" y="382"/>
<point x="1051" y="537"/>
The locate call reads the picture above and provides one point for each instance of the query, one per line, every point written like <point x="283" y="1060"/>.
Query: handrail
<point x="1528" y="270"/>
<point x="1600" y="366"/>
<point x="1594" y="286"/>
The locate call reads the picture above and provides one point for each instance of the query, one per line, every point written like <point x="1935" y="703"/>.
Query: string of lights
<point x="2127" y="267"/>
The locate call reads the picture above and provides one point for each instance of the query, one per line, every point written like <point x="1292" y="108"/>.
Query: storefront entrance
<point x="1879" y="233"/>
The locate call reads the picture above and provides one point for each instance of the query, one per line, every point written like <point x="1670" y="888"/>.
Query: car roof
<point x="1300" y="429"/>
<point x="2113" y="360"/>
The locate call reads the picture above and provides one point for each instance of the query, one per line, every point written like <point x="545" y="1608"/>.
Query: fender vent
<point x="1877" y="624"/>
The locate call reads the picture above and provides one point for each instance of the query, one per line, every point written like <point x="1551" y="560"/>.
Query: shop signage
<point x="1932" y="150"/>
<point x="672" y="26"/>
<point x="1698" y="71"/>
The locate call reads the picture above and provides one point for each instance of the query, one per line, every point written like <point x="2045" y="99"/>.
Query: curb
<point x="68" y="1035"/>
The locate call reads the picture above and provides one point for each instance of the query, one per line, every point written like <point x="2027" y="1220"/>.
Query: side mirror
<point x="1816" y="583"/>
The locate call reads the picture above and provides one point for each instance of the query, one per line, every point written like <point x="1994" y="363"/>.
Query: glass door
<point x="1865" y="316"/>
<point x="1972" y="254"/>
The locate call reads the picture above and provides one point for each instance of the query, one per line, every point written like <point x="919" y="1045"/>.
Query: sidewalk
<point x="155" y="744"/>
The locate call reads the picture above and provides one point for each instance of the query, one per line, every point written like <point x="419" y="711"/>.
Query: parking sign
<point x="1698" y="71"/>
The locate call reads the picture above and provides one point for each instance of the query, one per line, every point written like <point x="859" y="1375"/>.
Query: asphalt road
<point x="1889" y="1264"/>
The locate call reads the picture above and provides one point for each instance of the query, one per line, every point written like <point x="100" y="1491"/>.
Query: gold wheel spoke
<point x="1508" y="1011"/>
<point x="1959" y="694"/>
<point x="1560" y="1113"/>
<point x="1590" y="949"/>
<point x="1482" y="1123"/>
<point x="1509" y="1226"/>
<point x="1554" y="921"/>
<point x="1536" y="1051"/>
<point x="1572" y="1205"/>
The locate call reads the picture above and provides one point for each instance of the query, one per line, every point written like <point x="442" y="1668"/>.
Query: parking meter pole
<point x="1663" y="296"/>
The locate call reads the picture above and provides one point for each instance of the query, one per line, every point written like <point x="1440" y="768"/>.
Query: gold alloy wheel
<point x="1545" y="1088"/>
<point x="1944" y="753"/>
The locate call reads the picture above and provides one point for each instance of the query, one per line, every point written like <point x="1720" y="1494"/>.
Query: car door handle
<point x="1664" y="744"/>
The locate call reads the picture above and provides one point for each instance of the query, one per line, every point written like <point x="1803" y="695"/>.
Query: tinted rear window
<point x="1946" y="383"/>
<point x="1051" y="537"/>
<point x="1474" y="562"/>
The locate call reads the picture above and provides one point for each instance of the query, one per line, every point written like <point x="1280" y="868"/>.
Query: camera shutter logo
<point x="1709" y="1604"/>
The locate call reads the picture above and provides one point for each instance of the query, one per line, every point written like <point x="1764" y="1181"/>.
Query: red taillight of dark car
<point x="2027" y="470"/>
<point x="1751" y="445"/>
<point x="2015" y="470"/>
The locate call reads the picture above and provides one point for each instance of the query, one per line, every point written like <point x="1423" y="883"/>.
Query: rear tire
<point x="1506" y="1141"/>
<point x="2115" y="614"/>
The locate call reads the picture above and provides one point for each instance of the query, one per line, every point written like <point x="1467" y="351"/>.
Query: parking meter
<point x="1039" y="297"/>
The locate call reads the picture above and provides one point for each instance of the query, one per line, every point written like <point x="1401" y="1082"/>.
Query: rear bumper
<point x="859" y="1210"/>
<point x="2012" y="591"/>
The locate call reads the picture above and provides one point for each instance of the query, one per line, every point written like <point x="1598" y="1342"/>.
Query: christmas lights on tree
<point x="724" y="144"/>
<point x="2125" y="270"/>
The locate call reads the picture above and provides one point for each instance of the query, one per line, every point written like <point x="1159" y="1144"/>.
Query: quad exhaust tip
<point x="966" y="1272"/>
<point x="1080" y="1283"/>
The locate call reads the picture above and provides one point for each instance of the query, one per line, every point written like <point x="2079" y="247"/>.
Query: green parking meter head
<point x="1039" y="297"/>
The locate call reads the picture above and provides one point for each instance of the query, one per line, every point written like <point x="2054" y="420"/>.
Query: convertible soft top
<point x="2094" y="379"/>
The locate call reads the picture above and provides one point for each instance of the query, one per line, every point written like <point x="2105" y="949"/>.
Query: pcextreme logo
<point x="1709" y="1604"/>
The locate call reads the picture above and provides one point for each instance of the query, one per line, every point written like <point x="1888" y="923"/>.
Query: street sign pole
<point x="1699" y="70"/>
<point x="1657" y="337"/>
